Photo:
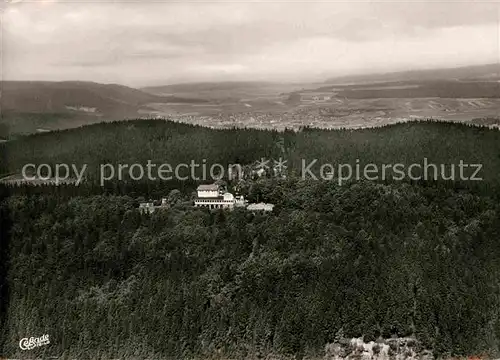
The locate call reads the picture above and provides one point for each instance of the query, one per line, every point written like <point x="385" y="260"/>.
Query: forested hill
<point x="363" y="259"/>
<point x="169" y="142"/>
<point x="370" y="259"/>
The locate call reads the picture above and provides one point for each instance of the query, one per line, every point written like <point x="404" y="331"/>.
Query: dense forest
<point x="371" y="259"/>
<point x="158" y="141"/>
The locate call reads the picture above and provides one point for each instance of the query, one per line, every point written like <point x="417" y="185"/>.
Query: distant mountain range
<point x="206" y="86"/>
<point x="108" y="100"/>
<point x="476" y="72"/>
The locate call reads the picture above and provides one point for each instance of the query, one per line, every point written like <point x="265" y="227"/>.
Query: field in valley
<point x="280" y="111"/>
<point x="330" y="105"/>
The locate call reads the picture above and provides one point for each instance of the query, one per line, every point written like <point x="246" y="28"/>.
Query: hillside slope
<point x="108" y="99"/>
<point x="29" y="106"/>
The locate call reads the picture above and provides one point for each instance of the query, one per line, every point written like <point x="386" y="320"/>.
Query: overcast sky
<point x="152" y="43"/>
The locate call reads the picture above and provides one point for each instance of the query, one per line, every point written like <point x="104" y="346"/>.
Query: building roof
<point x="208" y="187"/>
<point x="260" y="206"/>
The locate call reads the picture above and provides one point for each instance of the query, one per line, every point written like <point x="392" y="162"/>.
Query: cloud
<point x="133" y="42"/>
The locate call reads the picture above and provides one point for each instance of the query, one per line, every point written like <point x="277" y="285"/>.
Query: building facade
<point x="213" y="197"/>
<point x="208" y="191"/>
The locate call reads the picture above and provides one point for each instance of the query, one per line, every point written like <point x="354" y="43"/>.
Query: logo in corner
<point x="32" y="342"/>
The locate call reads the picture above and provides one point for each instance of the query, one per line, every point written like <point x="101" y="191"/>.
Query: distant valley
<point x="468" y="94"/>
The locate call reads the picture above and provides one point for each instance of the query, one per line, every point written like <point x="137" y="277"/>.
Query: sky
<point x="162" y="42"/>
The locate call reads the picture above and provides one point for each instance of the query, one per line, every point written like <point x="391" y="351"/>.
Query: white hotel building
<point x="213" y="197"/>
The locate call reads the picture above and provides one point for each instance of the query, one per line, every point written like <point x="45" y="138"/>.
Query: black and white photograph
<point x="249" y="180"/>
